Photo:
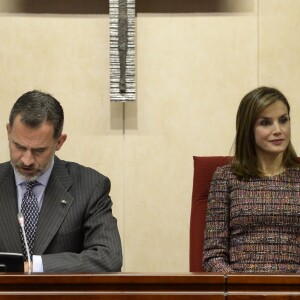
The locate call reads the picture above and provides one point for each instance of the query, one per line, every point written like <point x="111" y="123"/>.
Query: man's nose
<point x="27" y="158"/>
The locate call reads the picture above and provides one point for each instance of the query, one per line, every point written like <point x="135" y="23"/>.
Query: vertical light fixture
<point x="122" y="50"/>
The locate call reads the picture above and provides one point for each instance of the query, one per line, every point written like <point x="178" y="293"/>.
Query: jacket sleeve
<point x="216" y="243"/>
<point x="98" y="237"/>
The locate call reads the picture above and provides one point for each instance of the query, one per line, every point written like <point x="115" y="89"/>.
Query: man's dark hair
<point x="36" y="107"/>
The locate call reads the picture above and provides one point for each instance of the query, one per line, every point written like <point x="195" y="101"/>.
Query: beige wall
<point x="192" y="70"/>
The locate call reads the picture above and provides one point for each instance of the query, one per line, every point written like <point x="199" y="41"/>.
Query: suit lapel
<point x="9" y="227"/>
<point x="56" y="204"/>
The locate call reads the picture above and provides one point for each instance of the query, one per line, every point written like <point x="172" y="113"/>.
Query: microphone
<point x="21" y="222"/>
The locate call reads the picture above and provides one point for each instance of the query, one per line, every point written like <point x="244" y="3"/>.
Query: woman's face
<point x="272" y="130"/>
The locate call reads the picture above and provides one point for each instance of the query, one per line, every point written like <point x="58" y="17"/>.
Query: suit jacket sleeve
<point x="86" y="237"/>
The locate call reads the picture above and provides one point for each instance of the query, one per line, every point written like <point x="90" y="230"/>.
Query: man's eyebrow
<point x="19" y="145"/>
<point x="39" y="148"/>
<point x="34" y="149"/>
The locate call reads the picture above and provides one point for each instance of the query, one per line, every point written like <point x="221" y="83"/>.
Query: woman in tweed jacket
<point x="253" y="215"/>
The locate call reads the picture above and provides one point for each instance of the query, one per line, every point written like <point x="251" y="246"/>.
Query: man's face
<point x="32" y="149"/>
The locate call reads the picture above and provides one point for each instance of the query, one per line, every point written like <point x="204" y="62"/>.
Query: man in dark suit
<point x="75" y="230"/>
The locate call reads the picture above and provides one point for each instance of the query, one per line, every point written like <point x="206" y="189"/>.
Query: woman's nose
<point x="277" y="128"/>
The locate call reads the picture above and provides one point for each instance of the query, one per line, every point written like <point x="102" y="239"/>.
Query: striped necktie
<point x="30" y="210"/>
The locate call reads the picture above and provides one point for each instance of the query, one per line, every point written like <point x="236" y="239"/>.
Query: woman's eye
<point x="265" y="122"/>
<point x="284" y="120"/>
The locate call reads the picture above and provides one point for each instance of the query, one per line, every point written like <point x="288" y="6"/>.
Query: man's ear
<point x="8" y="128"/>
<point x="60" y="141"/>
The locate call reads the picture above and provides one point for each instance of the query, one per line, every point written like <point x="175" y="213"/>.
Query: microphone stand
<point x="21" y="222"/>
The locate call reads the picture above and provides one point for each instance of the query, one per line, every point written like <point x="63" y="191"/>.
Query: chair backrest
<point x="204" y="167"/>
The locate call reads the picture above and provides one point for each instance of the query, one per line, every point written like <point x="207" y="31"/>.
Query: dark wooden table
<point x="113" y="286"/>
<point x="262" y="287"/>
<point x="146" y="286"/>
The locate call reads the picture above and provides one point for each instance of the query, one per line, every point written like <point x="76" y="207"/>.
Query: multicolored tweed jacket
<point x="253" y="225"/>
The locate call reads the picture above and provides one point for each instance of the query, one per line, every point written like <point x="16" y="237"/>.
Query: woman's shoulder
<point x="223" y="178"/>
<point x="224" y="172"/>
<point x="224" y="169"/>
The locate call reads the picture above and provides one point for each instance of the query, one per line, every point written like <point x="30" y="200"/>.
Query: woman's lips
<point x="277" y="142"/>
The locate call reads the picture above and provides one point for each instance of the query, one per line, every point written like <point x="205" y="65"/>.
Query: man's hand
<point x="26" y="267"/>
